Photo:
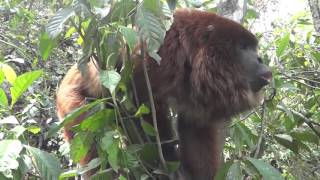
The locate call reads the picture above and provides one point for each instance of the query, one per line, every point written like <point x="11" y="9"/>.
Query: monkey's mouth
<point x="261" y="81"/>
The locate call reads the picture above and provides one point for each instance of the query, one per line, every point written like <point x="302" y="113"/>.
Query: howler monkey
<point x="209" y="72"/>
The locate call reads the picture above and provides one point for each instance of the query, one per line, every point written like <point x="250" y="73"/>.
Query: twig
<point x="153" y="108"/>
<point x="256" y="153"/>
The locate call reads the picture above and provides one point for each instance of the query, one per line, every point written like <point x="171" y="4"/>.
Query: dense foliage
<point x="279" y="140"/>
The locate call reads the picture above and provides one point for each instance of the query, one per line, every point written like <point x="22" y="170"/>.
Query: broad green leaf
<point x="306" y="136"/>
<point x="282" y="44"/>
<point x="143" y="110"/>
<point x="127" y="159"/>
<point x="3" y="98"/>
<point x="265" y="169"/>
<point x="246" y="134"/>
<point x="234" y="172"/>
<point x="110" y="79"/>
<point x="55" y="24"/>
<point x="130" y="36"/>
<point x="9" y="73"/>
<point x="98" y="120"/>
<point x="121" y="9"/>
<point x="151" y="30"/>
<point x="22" y="83"/>
<point x="80" y="145"/>
<point x="289" y="122"/>
<point x="148" y="128"/>
<point x="107" y="140"/>
<point x="46" y="45"/>
<point x="153" y="6"/>
<point x="73" y="115"/>
<point x="9" y="152"/>
<point x="287" y="141"/>
<point x="110" y="144"/>
<point x="47" y="164"/>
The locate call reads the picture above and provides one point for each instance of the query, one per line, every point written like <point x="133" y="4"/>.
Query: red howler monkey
<point x="209" y="72"/>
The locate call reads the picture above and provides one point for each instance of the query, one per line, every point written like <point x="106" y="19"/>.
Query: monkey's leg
<point x="201" y="149"/>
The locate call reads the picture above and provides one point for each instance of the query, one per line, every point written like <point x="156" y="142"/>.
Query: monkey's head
<point x="227" y="75"/>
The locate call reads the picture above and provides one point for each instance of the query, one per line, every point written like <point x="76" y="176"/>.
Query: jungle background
<point x="41" y="39"/>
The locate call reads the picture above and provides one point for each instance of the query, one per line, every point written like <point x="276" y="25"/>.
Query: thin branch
<point x="261" y="134"/>
<point x="309" y="122"/>
<point x="153" y="108"/>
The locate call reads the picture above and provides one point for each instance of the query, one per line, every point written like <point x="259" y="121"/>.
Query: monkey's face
<point x="254" y="71"/>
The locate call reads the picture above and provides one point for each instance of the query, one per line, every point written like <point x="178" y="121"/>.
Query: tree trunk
<point x="315" y="11"/>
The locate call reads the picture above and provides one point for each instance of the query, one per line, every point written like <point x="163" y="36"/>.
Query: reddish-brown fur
<point x="197" y="76"/>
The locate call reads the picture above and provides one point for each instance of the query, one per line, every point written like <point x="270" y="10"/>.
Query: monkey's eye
<point x="260" y="60"/>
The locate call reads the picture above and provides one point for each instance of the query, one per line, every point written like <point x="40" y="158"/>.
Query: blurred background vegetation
<point x="40" y="40"/>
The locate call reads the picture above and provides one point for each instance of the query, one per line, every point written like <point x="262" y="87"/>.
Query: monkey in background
<point x="210" y="71"/>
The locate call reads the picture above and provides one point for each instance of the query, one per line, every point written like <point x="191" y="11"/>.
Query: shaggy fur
<point x="202" y="74"/>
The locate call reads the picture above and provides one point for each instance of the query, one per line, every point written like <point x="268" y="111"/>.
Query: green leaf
<point x="97" y="120"/>
<point x="55" y="24"/>
<point x="21" y="84"/>
<point x="316" y="56"/>
<point x="223" y="171"/>
<point x="143" y="110"/>
<point x="282" y="44"/>
<point x="9" y="73"/>
<point x="73" y="115"/>
<point x="173" y="166"/>
<point x="289" y="122"/>
<point x="46" y="45"/>
<point x="9" y="152"/>
<point x="110" y="144"/>
<point x="266" y="170"/>
<point x="121" y="9"/>
<point x="122" y="178"/>
<point x="148" y="128"/>
<point x="306" y="136"/>
<point x="110" y="79"/>
<point x="287" y="141"/>
<point x="2" y="76"/>
<point x="80" y="145"/>
<point x="152" y="31"/>
<point x="234" y="172"/>
<point x="47" y="164"/>
<point x="252" y="14"/>
<point x="34" y="129"/>
<point x="153" y="6"/>
<point x="130" y="36"/>
<point x="3" y="98"/>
